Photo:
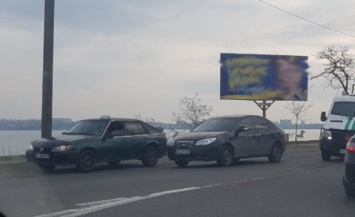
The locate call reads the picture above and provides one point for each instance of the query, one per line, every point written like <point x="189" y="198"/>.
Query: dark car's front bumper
<point x="332" y="147"/>
<point x="55" y="158"/>
<point x="196" y="153"/>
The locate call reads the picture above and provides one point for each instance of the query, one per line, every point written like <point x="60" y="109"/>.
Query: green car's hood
<point x="59" y="140"/>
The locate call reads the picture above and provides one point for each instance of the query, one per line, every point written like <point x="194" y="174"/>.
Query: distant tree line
<point x="34" y="124"/>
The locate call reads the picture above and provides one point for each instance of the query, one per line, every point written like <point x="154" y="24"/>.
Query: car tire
<point x="226" y="156"/>
<point x="87" y="161"/>
<point x="326" y="156"/>
<point x="46" y="168"/>
<point x="181" y="163"/>
<point x="151" y="156"/>
<point x="114" y="163"/>
<point x="275" y="153"/>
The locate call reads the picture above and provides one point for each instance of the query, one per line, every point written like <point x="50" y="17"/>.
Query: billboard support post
<point x="264" y="106"/>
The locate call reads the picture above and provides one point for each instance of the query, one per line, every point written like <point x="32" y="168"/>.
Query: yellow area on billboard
<point x="262" y="96"/>
<point x="246" y="71"/>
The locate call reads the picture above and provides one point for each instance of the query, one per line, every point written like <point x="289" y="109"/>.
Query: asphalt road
<point x="300" y="185"/>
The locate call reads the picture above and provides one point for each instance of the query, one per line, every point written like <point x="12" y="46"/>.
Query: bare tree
<point x="338" y="71"/>
<point x="192" y="112"/>
<point x="299" y="110"/>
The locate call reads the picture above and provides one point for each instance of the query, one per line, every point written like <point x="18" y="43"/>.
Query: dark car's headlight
<point x="326" y="134"/>
<point x="205" y="141"/>
<point x="62" y="148"/>
<point x="30" y="147"/>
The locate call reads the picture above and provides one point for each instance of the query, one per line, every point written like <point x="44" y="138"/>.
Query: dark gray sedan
<point x="227" y="139"/>
<point x="349" y="163"/>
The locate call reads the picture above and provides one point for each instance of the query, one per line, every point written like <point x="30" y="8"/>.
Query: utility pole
<point x="47" y="88"/>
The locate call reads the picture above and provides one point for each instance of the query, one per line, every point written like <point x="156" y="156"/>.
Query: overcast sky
<point x="129" y="57"/>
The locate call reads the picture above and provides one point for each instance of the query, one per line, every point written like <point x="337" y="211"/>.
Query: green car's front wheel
<point x="87" y="160"/>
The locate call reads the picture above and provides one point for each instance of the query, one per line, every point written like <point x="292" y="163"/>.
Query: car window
<point x="218" y="124"/>
<point x="134" y="128"/>
<point x="260" y="123"/>
<point x="246" y="122"/>
<point x="88" y="127"/>
<point x="344" y="109"/>
<point x="150" y="129"/>
<point x="116" y="128"/>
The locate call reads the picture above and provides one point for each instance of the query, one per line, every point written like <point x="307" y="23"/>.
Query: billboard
<point x="263" y="77"/>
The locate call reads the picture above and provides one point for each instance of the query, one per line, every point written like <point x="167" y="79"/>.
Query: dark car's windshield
<point x="88" y="127"/>
<point x="217" y="124"/>
<point x="344" y="109"/>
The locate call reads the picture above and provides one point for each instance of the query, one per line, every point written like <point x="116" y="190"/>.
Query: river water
<point x="16" y="142"/>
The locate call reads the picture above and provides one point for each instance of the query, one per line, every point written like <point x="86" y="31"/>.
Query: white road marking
<point x="91" y="207"/>
<point x="104" y="204"/>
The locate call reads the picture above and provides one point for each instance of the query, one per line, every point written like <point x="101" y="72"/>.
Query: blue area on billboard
<point x="263" y="77"/>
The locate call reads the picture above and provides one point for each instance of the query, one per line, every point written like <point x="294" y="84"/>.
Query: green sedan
<point x="92" y="141"/>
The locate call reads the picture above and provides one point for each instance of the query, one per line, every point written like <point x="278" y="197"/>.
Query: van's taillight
<point x="350" y="147"/>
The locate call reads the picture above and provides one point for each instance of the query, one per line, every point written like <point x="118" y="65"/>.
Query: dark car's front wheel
<point x="226" y="156"/>
<point x="87" y="160"/>
<point x="181" y="163"/>
<point x="46" y="168"/>
<point x="275" y="153"/>
<point x="151" y="156"/>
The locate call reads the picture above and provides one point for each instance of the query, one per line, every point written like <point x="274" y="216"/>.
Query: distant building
<point x="285" y="122"/>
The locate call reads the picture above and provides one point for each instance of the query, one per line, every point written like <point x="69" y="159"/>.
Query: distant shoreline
<point x="66" y="123"/>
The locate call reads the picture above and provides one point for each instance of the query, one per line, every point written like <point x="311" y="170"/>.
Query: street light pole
<point x="47" y="88"/>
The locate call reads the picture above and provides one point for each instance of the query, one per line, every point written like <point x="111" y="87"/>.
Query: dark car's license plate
<point x="182" y="151"/>
<point x="42" y="156"/>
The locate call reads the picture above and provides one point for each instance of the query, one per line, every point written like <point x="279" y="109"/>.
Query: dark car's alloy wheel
<point x="87" y="161"/>
<point x="326" y="156"/>
<point x="275" y="154"/>
<point x="181" y="163"/>
<point x="46" y="168"/>
<point x="150" y="157"/>
<point x="226" y="157"/>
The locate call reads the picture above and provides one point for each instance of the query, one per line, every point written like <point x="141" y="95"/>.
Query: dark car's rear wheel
<point x="181" y="163"/>
<point x="326" y="156"/>
<point x="87" y="161"/>
<point x="226" y="156"/>
<point x="275" y="153"/>
<point x="151" y="156"/>
<point x="46" y="168"/>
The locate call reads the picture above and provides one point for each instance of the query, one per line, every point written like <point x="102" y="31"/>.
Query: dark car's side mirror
<point x="323" y="117"/>
<point x="240" y="129"/>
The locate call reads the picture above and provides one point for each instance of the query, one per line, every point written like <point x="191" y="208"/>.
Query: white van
<point x="338" y="127"/>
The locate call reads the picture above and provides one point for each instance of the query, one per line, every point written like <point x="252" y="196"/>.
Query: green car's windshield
<point x="344" y="109"/>
<point x="218" y="124"/>
<point x="88" y="127"/>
